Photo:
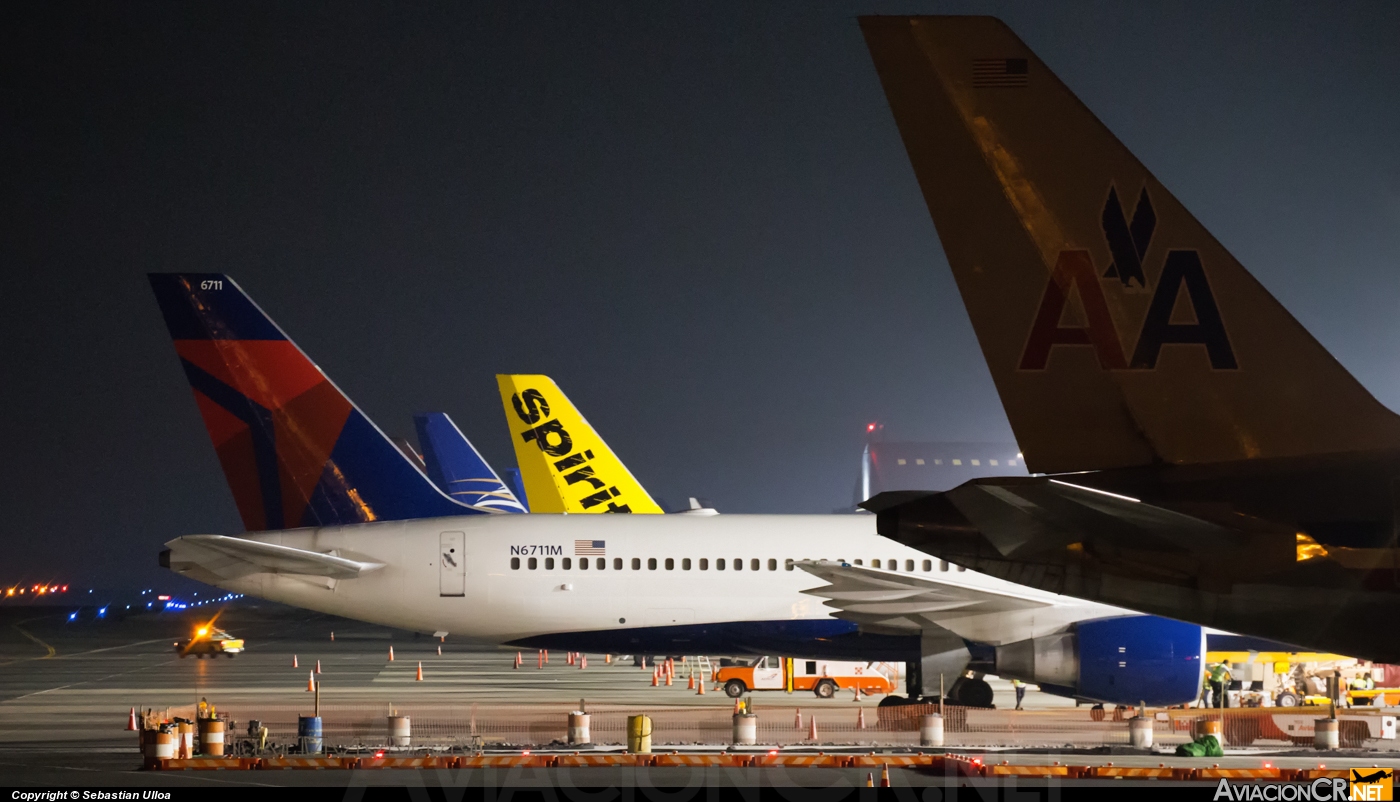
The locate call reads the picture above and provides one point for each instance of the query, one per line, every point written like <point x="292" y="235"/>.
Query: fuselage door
<point x="452" y="564"/>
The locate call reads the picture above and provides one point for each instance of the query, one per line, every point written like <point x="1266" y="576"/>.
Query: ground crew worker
<point x="203" y="707"/>
<point x="1357" y="683"/>
<point x="1020" y="691"/>
<point x="1219" y="679"/>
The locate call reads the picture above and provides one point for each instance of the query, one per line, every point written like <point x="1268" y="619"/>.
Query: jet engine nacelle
<point x="1121" y="661"/>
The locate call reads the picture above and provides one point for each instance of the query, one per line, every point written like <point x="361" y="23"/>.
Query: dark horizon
<point x="703" y="225"/>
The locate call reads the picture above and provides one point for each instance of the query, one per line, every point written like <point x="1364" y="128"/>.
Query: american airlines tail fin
<point x="457" y="468"/>
<point x="296" y="452"/>
<point x="566" y="466"/>
<point x="1118" y="330"/>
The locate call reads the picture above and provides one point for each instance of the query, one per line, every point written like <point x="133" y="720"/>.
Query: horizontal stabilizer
<point x="231" y="557"/>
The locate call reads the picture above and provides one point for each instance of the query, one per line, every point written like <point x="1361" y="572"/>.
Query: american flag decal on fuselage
<point x="590" y="548"/>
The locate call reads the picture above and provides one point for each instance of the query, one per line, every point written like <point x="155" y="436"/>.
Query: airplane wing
<point x="232" y="557"/>
<point x="904" y="603"/>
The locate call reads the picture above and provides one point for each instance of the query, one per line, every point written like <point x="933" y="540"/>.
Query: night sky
<point x="699" y="219"/>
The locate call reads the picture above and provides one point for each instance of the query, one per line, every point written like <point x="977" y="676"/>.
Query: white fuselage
<point x="659" y="570"/>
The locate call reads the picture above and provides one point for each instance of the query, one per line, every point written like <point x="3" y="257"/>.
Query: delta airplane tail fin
<point x="1118" y="330"/>
<point x="296" y="452"/>
<point x="457" y="468"/>
<point x="565" y="465"/>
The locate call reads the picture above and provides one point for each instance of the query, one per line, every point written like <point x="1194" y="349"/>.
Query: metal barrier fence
<point x="448" y="725"/>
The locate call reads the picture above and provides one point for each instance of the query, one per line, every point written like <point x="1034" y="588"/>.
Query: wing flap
<point x="872" y="597"/>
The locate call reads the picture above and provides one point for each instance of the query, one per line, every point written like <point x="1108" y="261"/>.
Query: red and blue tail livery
<point x="296" y="452"/>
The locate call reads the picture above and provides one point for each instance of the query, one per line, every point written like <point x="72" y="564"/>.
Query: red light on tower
<point x="65" y="588"/>
<point x="870" y="427"/>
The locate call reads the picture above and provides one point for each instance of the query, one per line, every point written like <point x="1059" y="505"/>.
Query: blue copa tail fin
<point x="295" y="451"/>
<point x="457" y="468"/>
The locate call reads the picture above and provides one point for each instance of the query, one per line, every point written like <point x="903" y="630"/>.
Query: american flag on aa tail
<point x="590" y="548"/>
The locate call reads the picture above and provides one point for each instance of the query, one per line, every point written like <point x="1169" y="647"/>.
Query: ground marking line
<point x="86" y="681"/>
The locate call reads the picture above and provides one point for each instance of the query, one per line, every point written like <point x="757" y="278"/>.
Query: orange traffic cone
<point x="870" y="779"/>
<point x="701" y="686"/>
<point x="690" y="684"/>
<point x="583" y="661"/>
<point x="669" y="679"/>
<point x="131" y="721"/>
<point x="812" y="734"/>
<point x="857" y="693"/>
<point x="310" y="681"/>
<point x="607" y="659"/>
<point x="884" y="775"/>
<point x="318" y="666"/>
<point x="568" y="661"/>
<point x="517" y="659"/>
<point x="420" y="670"/>
<point x="644" y="662"/>
<point x="797" y="724"/>
<point x="540" y="658"/>
<point x="738" y="707"/>
<point x="439" y="651"/>
<point x="655" y="677"/>
<point x="860" y="719"/>
<point x="294" y="662"/>
<point x="332" y="635"/>
<point x="545" y="652"/>
<point x="391" y="654"/>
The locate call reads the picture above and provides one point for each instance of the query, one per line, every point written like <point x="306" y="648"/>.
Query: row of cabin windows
<point x="755" y="564"/>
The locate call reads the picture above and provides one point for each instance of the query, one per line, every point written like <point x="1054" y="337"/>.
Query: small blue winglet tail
<point x="457" y="468"/>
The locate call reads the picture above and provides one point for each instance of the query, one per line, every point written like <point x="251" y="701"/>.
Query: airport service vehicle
<point x="340" y="520"/>
<point x="822" y="677"/>
<point x="209" y="641"/>
<point x="1202" y="456"/>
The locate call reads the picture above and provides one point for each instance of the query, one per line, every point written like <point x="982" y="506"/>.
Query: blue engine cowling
<point x="1121" y="661"/>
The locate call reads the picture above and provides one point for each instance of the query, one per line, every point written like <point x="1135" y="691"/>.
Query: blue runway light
<point x="72" y="616"/>
<point x="102" y="612"/>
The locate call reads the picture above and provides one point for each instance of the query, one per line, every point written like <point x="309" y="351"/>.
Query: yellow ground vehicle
<point x="822" y="677"/>
<point x="208" y="640"/>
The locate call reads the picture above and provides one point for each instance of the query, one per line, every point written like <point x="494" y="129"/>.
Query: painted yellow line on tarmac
<point x="21" y="630"/>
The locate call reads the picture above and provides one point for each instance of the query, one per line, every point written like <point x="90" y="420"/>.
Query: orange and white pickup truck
<point x="822" y="677"/>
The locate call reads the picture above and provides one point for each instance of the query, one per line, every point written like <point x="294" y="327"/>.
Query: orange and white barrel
<point x="580" y="727"/>
<point x="400" y="731"/>
<point x="211" y="737"/>
<point x="745" y="729"/>
<point x="160" y="745"/>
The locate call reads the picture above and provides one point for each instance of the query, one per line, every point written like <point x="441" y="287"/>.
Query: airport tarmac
<point x="66" y="689"/>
